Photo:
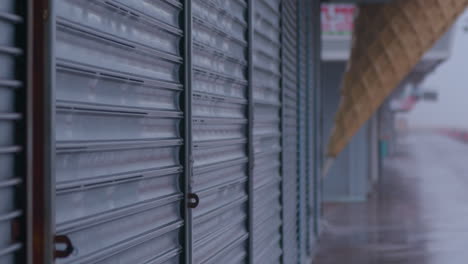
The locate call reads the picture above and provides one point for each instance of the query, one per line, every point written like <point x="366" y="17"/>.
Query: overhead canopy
<point x="388" y="41"/>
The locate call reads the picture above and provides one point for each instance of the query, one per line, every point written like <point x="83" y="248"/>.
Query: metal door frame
<point x="250" y="136"/>
<point x="300" y="169"/>
<point x="283" y="129"/>
<point x="42" y="67"/>
<point x="187" y="157"/>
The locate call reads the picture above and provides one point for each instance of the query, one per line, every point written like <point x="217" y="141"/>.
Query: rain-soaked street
<point x="419" y="215"/>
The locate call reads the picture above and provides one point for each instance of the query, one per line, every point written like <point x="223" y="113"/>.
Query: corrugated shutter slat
<point x="290" y="127"/>
<point x="118" y="113"/>
<point x="267" y="179"/>
<point x="220" y="131"/>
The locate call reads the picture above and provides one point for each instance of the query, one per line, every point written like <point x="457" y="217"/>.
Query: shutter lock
<point x="193" y="200"/>
<point x="66" y="247"/>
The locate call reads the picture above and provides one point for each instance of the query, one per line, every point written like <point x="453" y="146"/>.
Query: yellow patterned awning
<point x="389" y="40"/>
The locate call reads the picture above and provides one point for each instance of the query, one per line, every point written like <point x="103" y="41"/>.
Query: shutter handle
<point x="63" y="240"/>
<point x="193" y="200"/>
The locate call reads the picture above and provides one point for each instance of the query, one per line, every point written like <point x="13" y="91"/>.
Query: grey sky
<point x="450" y="79"/>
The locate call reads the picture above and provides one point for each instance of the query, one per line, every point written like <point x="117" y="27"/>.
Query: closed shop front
<point x="181" y="132"/>
<point x="117" y="140"/>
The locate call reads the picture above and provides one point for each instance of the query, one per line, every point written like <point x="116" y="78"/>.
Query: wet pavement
<point x="418" y="213"/>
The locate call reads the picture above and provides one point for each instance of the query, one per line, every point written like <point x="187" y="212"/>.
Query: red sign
<point x="338" y="18"/>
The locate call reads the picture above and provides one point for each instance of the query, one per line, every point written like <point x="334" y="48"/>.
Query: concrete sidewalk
<point x="418" y="213"/>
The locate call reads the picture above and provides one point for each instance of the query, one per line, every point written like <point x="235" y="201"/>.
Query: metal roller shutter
<point x="312" y="17"/>
<point x="12" y="132"/>
<point x="290" y="130"/>
<point x="118" y="117"/>
<point x="267" y="218"/>
<point x="220" y="131"/>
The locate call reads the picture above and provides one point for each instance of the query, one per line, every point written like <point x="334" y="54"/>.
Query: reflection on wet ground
<point x="418" y="213"/>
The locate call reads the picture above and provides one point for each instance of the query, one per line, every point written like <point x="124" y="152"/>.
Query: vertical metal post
<point x="309" y="119"/>
<point x="250" y="139"/>
<point x="187" y="132"/>
<point x="316" y="44"/>
<point x="43" y="137"/>
<point x="50" y="106"/>
<point x="299" y="134"/>
<point x="29" y="127"/>
<point x="283" y="133"/>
